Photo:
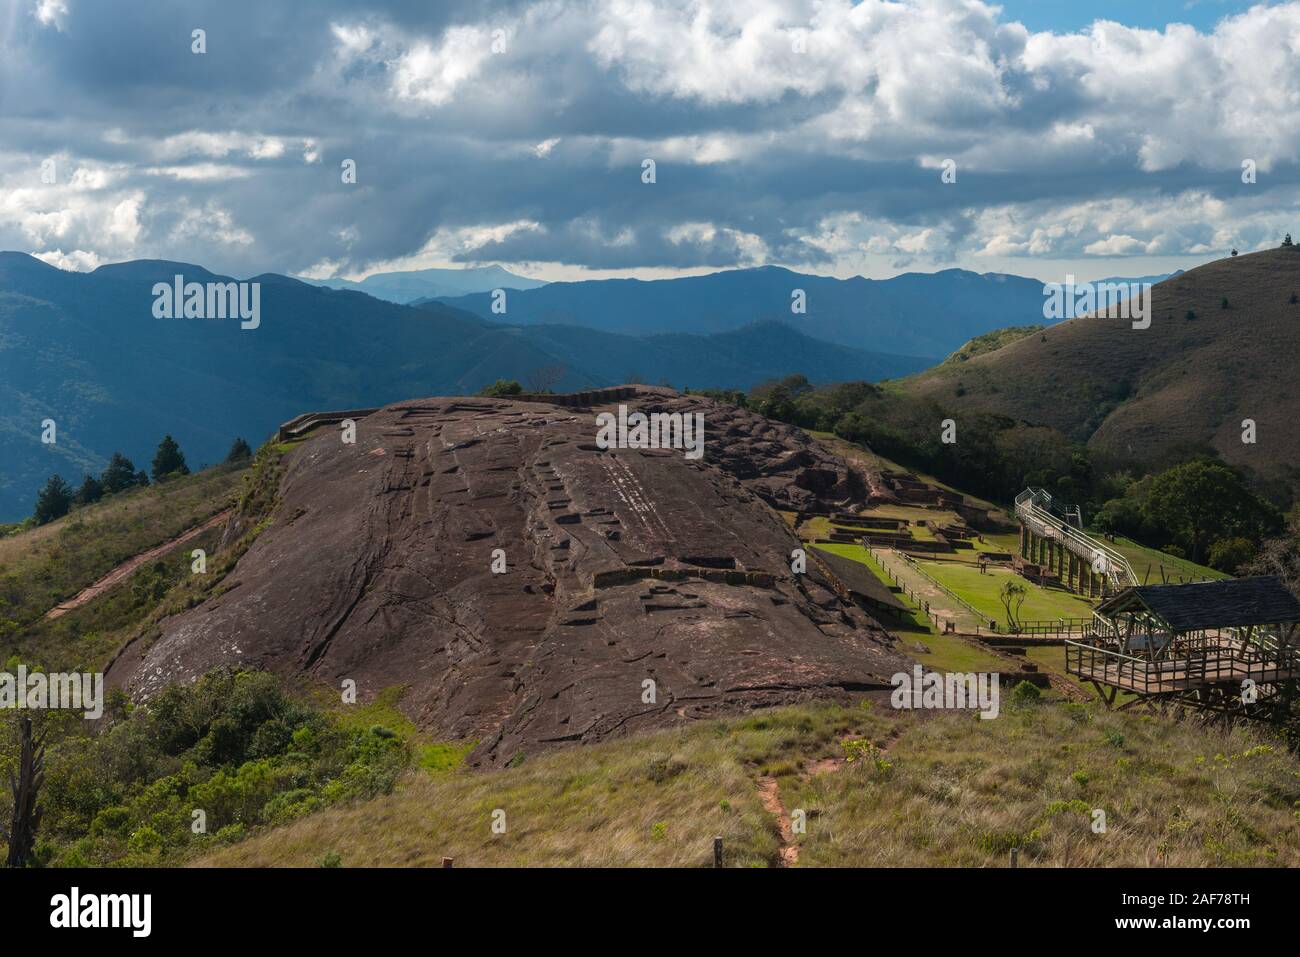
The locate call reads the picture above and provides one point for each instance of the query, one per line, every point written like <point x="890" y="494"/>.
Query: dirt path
<point x="124" y="570"/>
<point x="769" y="795"/>
<point x="941" y="602"/>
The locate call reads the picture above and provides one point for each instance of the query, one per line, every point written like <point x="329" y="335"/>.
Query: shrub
<point x="1025" y="693"/>
<point x="501" y="389"/>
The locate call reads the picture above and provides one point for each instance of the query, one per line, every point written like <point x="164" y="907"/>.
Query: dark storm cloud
<point x="825" y="156"/>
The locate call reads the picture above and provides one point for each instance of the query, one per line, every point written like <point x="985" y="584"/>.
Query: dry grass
<point x="656" y="801"/>
<point x="958" y="791"/>
<point x="948" y="791"/>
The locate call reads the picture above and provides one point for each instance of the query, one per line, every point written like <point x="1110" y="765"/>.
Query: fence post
<point x="1015" y="857"/>
<point x="717" y="852"/>
<point x="447" y="862"/>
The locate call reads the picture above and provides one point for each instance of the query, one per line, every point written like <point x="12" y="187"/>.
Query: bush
<point x="1025" y="693"/>
<point x="232" y="744"/>
<point x="501" y="389"/>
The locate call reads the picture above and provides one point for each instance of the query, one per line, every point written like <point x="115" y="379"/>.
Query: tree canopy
<point x="168" y="460"/>
<point x="53" y="500"/>
<point x="1203" y="502"/>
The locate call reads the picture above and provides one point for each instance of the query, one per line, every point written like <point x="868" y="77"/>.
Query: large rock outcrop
<point x="621" y="567"/>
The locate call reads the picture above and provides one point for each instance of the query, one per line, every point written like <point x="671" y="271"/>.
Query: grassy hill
<point x="1151" y="394"/>
<point x="47" y="565"/>
<point x="878" y="788"/>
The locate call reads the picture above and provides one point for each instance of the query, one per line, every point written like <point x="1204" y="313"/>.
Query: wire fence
<point x="1039" y="627"/>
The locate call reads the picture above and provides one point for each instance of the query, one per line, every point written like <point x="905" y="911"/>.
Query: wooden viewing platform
<point x="1145" y="677"/>
<point x="1227" y="647"/>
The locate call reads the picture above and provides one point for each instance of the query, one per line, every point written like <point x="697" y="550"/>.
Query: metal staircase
<point x="1064" y="524"/>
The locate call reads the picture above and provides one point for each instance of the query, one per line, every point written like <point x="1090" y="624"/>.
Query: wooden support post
<point x="1015" y="857"/>
<point x="717" y="852"/>
<point x="447" y="861"/>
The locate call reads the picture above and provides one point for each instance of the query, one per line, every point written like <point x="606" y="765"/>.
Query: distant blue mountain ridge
<point x="88" y="350"/>
<point x="924" y="314"/>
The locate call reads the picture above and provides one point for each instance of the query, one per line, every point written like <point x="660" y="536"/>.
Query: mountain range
<point x="86" y="350"/>
<point x="926" y="314"/>
<point x="408" y="286"/>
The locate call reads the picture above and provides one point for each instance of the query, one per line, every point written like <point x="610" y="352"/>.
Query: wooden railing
<point x="1052" y="626"/>
<point x="1204" y="662"/>
<point x="1034" y="508"/>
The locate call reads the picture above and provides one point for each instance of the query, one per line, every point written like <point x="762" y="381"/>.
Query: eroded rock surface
<point x="622" y="566"/>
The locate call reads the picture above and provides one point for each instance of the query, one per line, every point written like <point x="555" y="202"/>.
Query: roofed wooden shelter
<point x="1231" y="647"/>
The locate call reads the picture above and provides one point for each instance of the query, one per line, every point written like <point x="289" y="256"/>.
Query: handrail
<point x="1034" y="505"/>
<point x="1105" y="652"/>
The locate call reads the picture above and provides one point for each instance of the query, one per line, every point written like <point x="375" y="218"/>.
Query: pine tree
<point x="90" y="491"/>
<point x="119" y="475"/>
<point x="168" y="461"/>
<point x="53" y="501"/>
<point x="239" y="451"/>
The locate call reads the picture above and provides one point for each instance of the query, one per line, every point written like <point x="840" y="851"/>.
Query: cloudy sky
<point x="1097" y="138"/>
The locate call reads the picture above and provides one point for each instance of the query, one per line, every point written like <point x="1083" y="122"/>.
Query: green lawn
<point x="1148" y="562"/>
<point x="981" y="592"/>
<point x="935" y="650"/>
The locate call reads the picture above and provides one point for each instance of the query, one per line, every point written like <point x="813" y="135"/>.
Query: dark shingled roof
<point x="860" y="579"/>
<point x="1263" y="600"/>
